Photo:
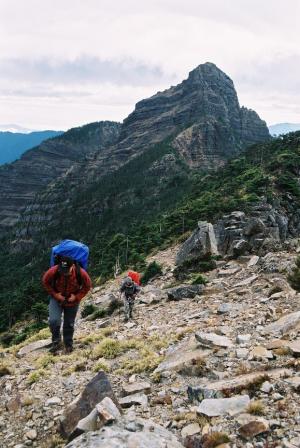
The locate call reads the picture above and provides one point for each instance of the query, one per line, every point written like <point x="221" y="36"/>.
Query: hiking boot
<point x="68" y="348"/>
<point x="55" y="347"/>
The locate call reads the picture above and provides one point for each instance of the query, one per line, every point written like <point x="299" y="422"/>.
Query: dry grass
<point x="101" y="365"/>
<point x="242" y="369"/>
<point x="44" y="361"/>
<point x="256" y="408"/>
<point x="54" y="442"/>
<point x="214" y="439"/>
<point x="35" y="376"/>
<point x="5" y="368"/>
<point x="96" y="337"/>
<point x="282" y="351"/>
<point x="27" y="401"/>
<point x="147" y="362"/>
<point x="108" y="349"/>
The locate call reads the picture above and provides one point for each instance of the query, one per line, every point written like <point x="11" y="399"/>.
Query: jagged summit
<point x="207" y="71"/>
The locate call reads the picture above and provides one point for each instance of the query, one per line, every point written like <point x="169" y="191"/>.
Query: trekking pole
<point x="120" y="297"/>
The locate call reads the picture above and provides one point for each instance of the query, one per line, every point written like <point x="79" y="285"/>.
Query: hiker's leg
<point x="131" y="302"/>
<point x="69" y="322"/>
<point x="55" y="311"/>
<point x="126" y="307"/>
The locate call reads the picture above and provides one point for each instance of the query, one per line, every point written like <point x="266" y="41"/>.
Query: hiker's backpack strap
<point x="55" y="278"/>
<point x="78" y="274"/>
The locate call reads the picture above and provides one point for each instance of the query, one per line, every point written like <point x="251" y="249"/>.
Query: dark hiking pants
<point x="128" y="306"/>
<point x="55" y="316"/>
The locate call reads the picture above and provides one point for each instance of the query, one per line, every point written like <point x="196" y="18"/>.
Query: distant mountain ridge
<point x="14" y="144"/>
<point x="283" y="128"/>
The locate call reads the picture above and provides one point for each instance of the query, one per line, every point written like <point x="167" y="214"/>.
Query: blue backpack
<point x="71" y="252"/>
<point x="74" y="250"/>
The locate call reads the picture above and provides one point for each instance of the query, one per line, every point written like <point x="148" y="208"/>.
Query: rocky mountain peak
<point x="201" y="116"/>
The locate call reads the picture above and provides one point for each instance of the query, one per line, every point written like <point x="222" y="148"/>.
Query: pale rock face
<point x="200" y="244"/>
<point x="213" y="340"/>
<point x="284" y="324"/>
<point x="140" y="433"/>
<point x="213" y="407"/>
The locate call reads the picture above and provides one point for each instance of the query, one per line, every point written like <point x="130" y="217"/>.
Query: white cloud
<point x="63" y="61"/>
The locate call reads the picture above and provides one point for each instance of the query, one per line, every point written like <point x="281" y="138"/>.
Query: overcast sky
<point x="64" y="63"/>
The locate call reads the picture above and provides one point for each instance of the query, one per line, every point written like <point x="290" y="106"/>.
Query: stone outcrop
<point x="202" y="243"/>
<point x="95" y="391"/>
<point x="263" y="228"/>
<point x="128" y="432"/>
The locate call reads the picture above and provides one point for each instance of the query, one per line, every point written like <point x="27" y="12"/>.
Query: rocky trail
<point x="196" y="367"/>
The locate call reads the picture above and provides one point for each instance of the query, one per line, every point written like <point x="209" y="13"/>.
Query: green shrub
<point x="88" y="308"/>
<point x="151" y="271"/>
<point x="199" y="280"/>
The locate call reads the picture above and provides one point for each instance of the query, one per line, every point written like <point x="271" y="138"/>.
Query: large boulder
<point x="94" y="392"/>
<point x="37" y="345"/>
<point x="201" y="244"/>
<point x="128" y="432"/>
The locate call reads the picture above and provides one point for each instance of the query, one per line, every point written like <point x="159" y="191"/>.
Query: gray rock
<point x="135" y="388"/>
<point x="200" y="244"/>
<point x="37" y="345"/>
<point x="184" y="292"/>
<point x="88" y="423"/>
<point x="243" y="338"/>
<point x="260" y="353"/>
<point x="241" y="247"/>
<point x="183" y="358"/>
<point x="190" y="430"/>
<point x="53" y="401"/>
<point x="213" y="340"/>
<point x="254" y="226"/>
<point x="224" y="308"/>
<point x="253" y="261"/>
<point x="198" y="394"/>
<point x="135" y="399"/>
<point x="213" y="407"/>
<point x="141" y="434"/>
<point x="267" y="387"/>
<point x="107" y="411"/>
<point x="248" y="281"/>
<point x="242" y="353"/>
<point x="284" y="324"/>
<point x="104" y="413"/>
<point x="94" y="392"/>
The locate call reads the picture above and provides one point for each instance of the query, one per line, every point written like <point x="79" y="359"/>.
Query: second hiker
<point x="130" y="290"/>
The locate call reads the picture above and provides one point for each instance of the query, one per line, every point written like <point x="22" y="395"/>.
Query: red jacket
<point x="67" y="285"/>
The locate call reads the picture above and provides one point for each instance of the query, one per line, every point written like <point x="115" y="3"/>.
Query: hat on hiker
<point x="128" y="281"/>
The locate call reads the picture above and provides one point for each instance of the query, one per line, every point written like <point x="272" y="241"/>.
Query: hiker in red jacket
<point x="67" y="284"/>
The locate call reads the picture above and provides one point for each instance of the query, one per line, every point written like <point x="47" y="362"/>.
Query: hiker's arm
<point x="47" y="282"/>
<point x="86" y="285"/>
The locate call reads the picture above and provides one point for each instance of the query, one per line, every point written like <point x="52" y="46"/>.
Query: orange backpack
<point x="135" y="276"/>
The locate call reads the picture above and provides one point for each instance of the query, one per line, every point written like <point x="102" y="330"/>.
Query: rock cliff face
<point x="22" y="180"/>
<point x="201" y="117"/>
<point x="204" y="112"/>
